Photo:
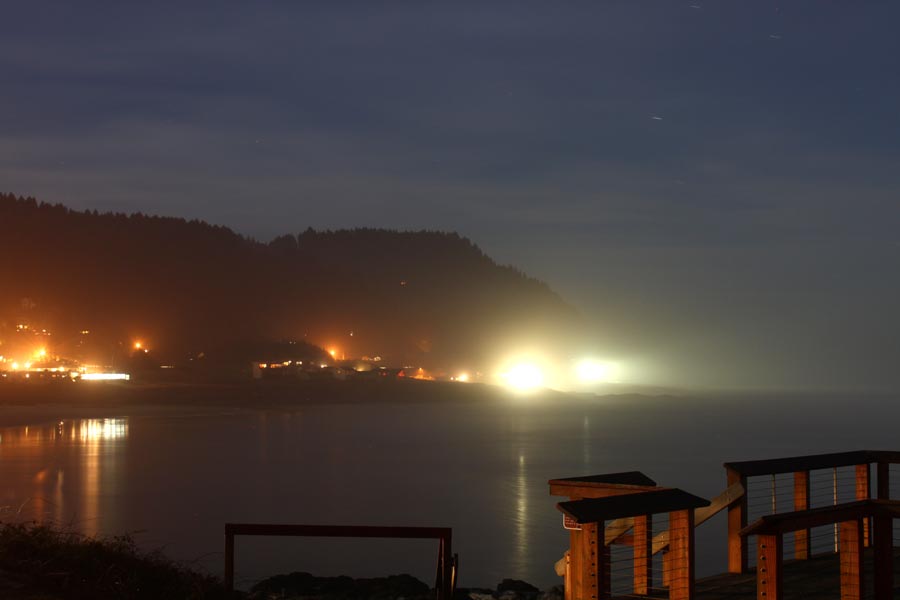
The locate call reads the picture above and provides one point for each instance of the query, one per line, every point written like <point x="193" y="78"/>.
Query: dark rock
<point x="557" y="592"/>
<point x="304" y="585"/>
<point x="516" y="585"/>
<point x="516" y="589"/>
<point x="473" y="594"/>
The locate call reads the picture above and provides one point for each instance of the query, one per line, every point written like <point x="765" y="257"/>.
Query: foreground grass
<point x="42" y="562"/>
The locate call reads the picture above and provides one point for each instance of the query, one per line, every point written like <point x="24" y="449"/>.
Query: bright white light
<point x="106" y="377"/>
<point x="591" y="371"/>
<point x="524" y="376"/>
<point x="463" y="377"/>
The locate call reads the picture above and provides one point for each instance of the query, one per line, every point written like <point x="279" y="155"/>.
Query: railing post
<point x="643" y="555"/>
<point x="574" y="581"/>
<point x="864" y="492"/>
<point x="801" y="502"/>
<point x="884" y="554"/>
<point x="884" y="481"/>
<point x="769" y="567"/>
<point x="851" y="557"/>
<point x="737" y="520"/>
<point x="596" y="558"/>
<point x="439" y="580"/>
<point x="229" y="560"/>
<point x="681" y="547"/>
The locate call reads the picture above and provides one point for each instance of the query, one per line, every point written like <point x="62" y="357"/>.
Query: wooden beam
<point x="732" y="494"/>
<point x="851" y="558"/>
<point x="864" y="492"/>
<point x="801" y="502"/>
<point x="681" y="549"/>
<point x="660" y="542"/>
<point x="737" y="520"/>
<point x="643" y="555"/>
<point x="769" y="585"/>
<point x="666" y="566"/>
<point x="617" y="529"/>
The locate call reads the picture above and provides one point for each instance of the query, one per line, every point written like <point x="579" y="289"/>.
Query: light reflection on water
<point x="481" y="469"/>
<point x="86" y="449"/>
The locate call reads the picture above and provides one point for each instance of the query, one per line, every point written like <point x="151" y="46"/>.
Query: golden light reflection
<point x="102" y="429"/>
<point x="68" y="469"/>
<point x="97" y="464"/>
<point x="522" y="521"/>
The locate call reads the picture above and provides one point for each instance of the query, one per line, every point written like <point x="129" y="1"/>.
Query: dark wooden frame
<point x="447" y="566"/>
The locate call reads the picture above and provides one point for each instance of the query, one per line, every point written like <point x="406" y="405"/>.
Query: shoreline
<point x="80" y="564"/>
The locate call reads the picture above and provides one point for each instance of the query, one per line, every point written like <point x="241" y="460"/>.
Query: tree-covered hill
<point x="425" y="297"/>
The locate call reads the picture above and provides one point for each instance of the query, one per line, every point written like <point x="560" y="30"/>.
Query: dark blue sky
<point x="716" y="184"/>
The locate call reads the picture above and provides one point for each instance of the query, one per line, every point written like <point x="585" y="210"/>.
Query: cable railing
<point x="801" y="483"/>
<point x="831" y="507"/>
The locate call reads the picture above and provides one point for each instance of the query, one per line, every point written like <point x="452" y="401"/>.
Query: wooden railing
<point x="738" y="473"/>
<point x="622" y="527"/>
<point x="851" y="518"/>
<point x="447" y="563"/>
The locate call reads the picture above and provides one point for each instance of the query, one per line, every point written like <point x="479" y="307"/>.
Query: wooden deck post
<point x="681" y="549"/>
<point x="573" y="581"/>
<point x="864" y="492"/>
<point x="801" y="502"/>
<point x="737" y="520"/>
<point x="884" y="555"/>
<point x="643" y="555"/>
<point x="769" y="568"/>
<point x="595" y="556"/>
<point x="884" y="481"/>
<point x="851" y="557"/>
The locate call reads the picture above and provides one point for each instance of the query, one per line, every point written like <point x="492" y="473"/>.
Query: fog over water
<point x="176" y="478"/>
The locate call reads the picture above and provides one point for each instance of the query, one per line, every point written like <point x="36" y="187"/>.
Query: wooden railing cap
<point x="593" y="510"/>
<point x="793" y="464"/>
<point x="361" y="531"/>
<point x="624" y="478"/>
<point x="824" y="515"/>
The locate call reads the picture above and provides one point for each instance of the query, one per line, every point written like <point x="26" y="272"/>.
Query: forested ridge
<point x="427" y="297"/>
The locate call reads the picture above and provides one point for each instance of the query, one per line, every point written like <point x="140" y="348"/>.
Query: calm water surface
<point x="175" y="479"/>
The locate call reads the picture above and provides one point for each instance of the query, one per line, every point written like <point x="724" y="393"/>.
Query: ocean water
<point x="173" y="479"/>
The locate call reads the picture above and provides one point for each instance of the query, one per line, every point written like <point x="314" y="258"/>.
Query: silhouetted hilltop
<point x="186" y="286"/>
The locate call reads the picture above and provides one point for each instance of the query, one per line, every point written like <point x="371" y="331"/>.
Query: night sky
<point x="716" y="185"/>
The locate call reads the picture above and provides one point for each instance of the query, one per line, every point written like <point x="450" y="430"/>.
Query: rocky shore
<point x="305" y="586"/>
<point x="40" y="562"/>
